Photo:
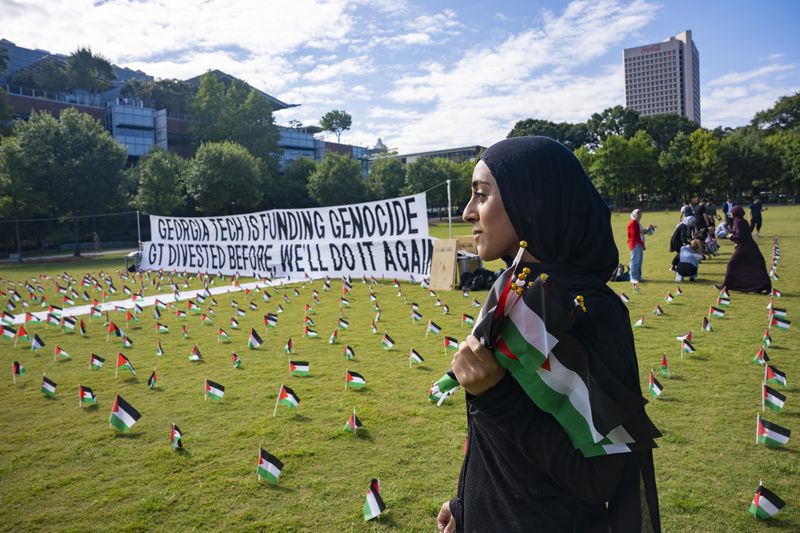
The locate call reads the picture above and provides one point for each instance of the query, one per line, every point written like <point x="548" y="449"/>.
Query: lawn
<point x="63" y="467"/>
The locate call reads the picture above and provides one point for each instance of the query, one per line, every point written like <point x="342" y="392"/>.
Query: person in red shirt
<point x="636" y="245"/>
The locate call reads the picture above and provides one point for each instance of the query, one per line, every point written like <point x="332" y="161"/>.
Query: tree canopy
<point x="336" y="122"/>
<point x="337" y="180"/>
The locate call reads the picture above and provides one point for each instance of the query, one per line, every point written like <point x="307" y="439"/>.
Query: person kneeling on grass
<point x="687" y="261"/>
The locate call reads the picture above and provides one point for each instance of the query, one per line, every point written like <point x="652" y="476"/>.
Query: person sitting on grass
<point x="687" y="261"/>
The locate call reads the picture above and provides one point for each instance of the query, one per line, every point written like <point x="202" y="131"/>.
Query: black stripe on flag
<point x="215" y="385"/>
<point x="128" y="408"/>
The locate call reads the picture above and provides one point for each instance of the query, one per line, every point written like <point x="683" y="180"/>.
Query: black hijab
<point x="555" y="208"/>
<point x="553" y="205"/>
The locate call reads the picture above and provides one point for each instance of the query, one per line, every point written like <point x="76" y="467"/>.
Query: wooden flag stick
<point x="275" y="411"/>
<point x="13" y="374"/>
<point x="80" y="393"/>
<point x="758" y="417"/>
<point x="259" y="461"/>
<point x="763" y="393"/>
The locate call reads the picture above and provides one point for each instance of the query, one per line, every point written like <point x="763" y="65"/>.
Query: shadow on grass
<point x="697" y="358"/>
<point x="668" y="399"/>
<point x="423" y="368"/>
<point x="277" y="487"/>
<point x="300" y="418"/>
<point x="131" y="379"/>
<point x="127" y="436"/>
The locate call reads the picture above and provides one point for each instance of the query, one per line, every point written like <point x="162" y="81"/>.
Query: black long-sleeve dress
<point x="747" y="271"/>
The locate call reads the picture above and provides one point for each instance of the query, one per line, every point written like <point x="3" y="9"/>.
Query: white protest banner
<point x="388" y="237"/>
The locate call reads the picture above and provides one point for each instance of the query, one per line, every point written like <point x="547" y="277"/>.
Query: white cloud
<point x="351" y="66"/>
<point x="741" y="77"/>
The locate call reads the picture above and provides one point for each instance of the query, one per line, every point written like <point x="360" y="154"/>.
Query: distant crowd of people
<point x="695" y="239"/>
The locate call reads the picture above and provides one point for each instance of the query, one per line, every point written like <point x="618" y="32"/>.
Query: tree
<point x="426" y="173"/>
<point x="786" y="145"/>
<point x="336" y="122"/>
<point x="171" y="94"/>
<point x="571" y="135"/>
<point x="674" y="163"/>
<point x="663" y="127"/>
<point x="224" y="178"/>
<point x="337" y="180"/>
<point x="784" y="115"/>
<point x="386" y="177"/>
<point x="72" y="165"/>
<point x="49" y="74"/>
<point x="252" y="125"/>
<point x="160" y="183"/>
<point x="89" y="72"/>
<point x="706" y="167"/>
<point x="585" y="156"/>
<point x="209" y="111"/>
<point x="615" y="120"/>
<point x="293" y="192"/>
<point x="751" y="164"/>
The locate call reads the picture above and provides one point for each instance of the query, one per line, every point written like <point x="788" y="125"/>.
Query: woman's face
<point x="491" y="228"/>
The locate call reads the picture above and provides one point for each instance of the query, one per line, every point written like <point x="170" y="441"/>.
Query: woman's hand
<point x="445" y="520"/>
<point x="475" y="367"/>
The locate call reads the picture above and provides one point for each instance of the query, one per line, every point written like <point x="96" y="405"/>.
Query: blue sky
<point x="433" y="74"/>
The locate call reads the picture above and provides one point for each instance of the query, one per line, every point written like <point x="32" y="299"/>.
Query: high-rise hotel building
<point x="664" y="77"/>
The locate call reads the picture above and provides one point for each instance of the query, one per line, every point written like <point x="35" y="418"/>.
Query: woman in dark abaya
<point x="747" y="271"/>
<point x="521" y="471"/>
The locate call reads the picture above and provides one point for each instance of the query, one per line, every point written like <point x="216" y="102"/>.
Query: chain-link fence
<point x="52" y="236"/>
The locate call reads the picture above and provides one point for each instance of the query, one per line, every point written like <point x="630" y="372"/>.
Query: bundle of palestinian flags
<point x="525" y="324"/>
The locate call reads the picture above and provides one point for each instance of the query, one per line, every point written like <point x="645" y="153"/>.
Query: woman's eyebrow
<point x="477" y="182"/>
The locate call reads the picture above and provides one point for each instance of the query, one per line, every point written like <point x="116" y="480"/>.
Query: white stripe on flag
<point x="532" y="328"/>
<point x="767" y="505"/>
<point x="125" y="417"/>
<point x="216" y="392"/>
<point x="48" y="387"/>
<point x="374" y="509"/>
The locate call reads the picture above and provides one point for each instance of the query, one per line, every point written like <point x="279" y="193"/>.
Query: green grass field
<point x="63" y="467"/>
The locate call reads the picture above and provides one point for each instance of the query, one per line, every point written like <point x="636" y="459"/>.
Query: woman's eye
<point x="480" y="195"/>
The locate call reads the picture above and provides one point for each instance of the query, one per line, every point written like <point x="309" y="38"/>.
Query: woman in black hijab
<point x="520" y="471"/>
<point x="747" y="270"/>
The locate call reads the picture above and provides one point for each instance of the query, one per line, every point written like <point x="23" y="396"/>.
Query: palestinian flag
<point x="180" y="314"/>
<point x="639" y="323"/>
<point x="123" y="415"/>
<point x="778" y="311"/>
<point x="433" y="327"/>
<point x="96" y="362"/>
<point x="776" y="293"/>
<point x="60" y="352"/>
<point x="152" y="381"/>
<point x="237" y="363"/>
<point x="86" y="396"/>
<point x="287" y="397"/>
<point x="706" y="324"/>
<point x="36" y="343"/>
<point x="770" y="434"/>
<point x="130" y="317"/>
<point x="333" y="339"/>
<point x="124" y="364"/>
<point x="774" y="376"/>
<point x="624" y="297"/>
<point x="374" y="328"/>
<point x="415" y="316"/>
<point x="664" y="365"/>
<point x="780" y="322"/>
<point x="17" y="369"/>
<point x="8" y="332"/>
<point x="348" y="352"/>
<point x="765" y="504"/>
<point x="658" y="311"/>
<point x="53" y="309"/>
<point x="114" y="329"/>
<point x="299" y="368"/>
<point x="289" y="346"/>
<point x="160" y="305"/>
<point x="83" y="328"/>
<point x="270" y="320"/>
<point x="343" y="324"/>
<point x="686" y="347"/>
<point x="191" y="306"/>
<point x="451" y="343"/>
<point x="159" y="349"/>
<point x="373" y="505"/>
<point x="766" y="339"/>
<point x="668" y="298"/>
<point x="234" y="323"/>
<point x="240" y="312"/>
<point x="655" y="387"/>
<point x="127" y="342"/>
<point x="716" y="311"/>
<point x="205" y="319"/>
<point x="280" y="309"/>
<point x="22" y="334"/>
<point x="53" y="319"/>
<point x="721" y="300"/>
<point x="269" y="466"/>
<point x="195" y="354"/>
<point x="476" y="303"/>
<point x="29" y="317"/>
<point x="415" y="357"/>
<point x="761" y="357"/>
<point x="445" y="309"/>
<point x="678" y="291"/>
<point x="387" y="341"/>
<point x="213" y="390"/>
<point x="354" y="380"/>
<point x="162" y="328"/>
<point x="772" y="398"/>
<point x="68" y="323"/>
<point x="185" y="331"/>
<point x="414" y="306"/>
<point x="723" y="293"/>
<point x="685" y="337"/>
<point x="308" y="332"/>
<point x="254" y="341"/>
<point x="344" y="302"/>
<point x="95" y="312"/>
<point x="48" y="387"/>
<point x="222" y="334"/>
<point x="176" y="437"/>
<point x="353" y="424"/>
